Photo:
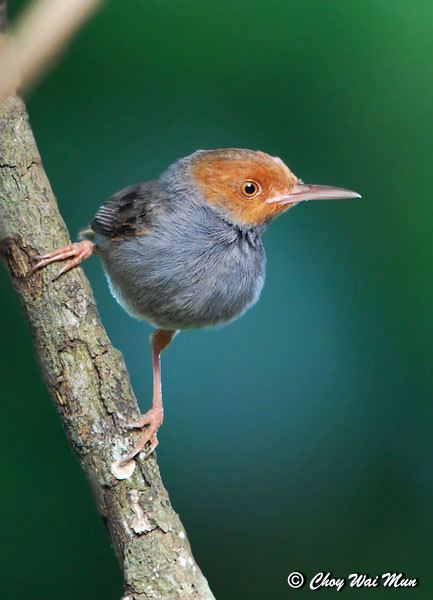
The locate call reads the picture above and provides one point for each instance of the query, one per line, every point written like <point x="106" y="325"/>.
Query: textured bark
<point x="87" y="378"/>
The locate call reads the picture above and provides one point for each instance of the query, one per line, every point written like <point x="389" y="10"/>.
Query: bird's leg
<point x="73" y="253"/>
<point x="153" y="418"/>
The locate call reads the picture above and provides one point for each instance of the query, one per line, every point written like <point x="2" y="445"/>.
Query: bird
<point x="185" y="250"/>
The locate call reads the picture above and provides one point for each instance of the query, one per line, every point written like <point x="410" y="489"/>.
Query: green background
<point x="299" y="437"/>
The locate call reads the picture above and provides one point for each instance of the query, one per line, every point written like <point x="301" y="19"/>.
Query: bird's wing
<point x="127" y="213"/>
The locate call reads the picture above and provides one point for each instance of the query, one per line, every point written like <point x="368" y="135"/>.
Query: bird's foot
<point x="152" y="420"/>
<point x="73" y="253"/>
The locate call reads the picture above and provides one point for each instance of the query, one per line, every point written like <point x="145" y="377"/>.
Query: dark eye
<point x="249" y="189"/>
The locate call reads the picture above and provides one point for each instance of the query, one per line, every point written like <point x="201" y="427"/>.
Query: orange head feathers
<point x="252" y="187"/>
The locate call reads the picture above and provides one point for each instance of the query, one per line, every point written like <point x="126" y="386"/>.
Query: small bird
<point x="185" y="250"/>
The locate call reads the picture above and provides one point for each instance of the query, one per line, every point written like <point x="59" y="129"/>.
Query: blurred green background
<point x="299" y="437"/>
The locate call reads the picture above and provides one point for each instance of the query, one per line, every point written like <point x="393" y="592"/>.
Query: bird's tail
<point x="86" y="234"/>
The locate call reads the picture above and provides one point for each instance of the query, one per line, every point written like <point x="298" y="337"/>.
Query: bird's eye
<point x="249" y="189"/>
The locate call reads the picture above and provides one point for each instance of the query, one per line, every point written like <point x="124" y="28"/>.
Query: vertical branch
<point x="38" y="38"/>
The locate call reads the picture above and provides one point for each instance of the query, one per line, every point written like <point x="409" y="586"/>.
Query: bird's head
<point x="251" y="188"/>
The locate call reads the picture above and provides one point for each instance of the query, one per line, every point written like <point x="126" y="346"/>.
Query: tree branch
<point x="40" y="35"/>
<point x="86" y="376"/>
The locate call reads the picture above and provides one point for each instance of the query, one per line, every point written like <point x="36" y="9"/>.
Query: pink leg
<point x="75" y="253"/>
<point x="153" y="418"/>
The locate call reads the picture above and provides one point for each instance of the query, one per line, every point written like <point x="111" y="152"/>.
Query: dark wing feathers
<point x="127" y="213"/>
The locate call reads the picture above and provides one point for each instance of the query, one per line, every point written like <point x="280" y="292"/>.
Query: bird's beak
<point x="309" y="191"/>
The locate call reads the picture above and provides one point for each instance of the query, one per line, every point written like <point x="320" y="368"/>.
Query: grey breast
<point x="192" y="269"/>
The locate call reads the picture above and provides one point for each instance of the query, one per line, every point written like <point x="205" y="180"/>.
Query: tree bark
<point x="86" y="376"/>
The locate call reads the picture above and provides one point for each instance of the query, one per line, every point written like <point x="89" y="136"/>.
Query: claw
<point x="76" y="253"/>
<point x="152" y="421"/>
<point x="152" y="448"/>
<point x="139" y="447"/>
<point x="138" y="424"/>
